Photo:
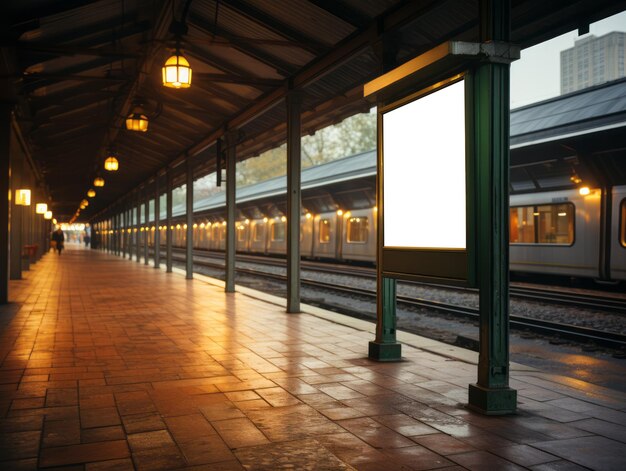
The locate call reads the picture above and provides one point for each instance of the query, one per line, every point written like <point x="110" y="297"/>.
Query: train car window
<point x="622" y="223"/>
<point x="545" y="224"/>
<point x="258" y="232"/>
<point x="522" y="225"/>
<point x="357" y="230"/>
<point x="278" y="232"/>
<point x="324" y="231"/>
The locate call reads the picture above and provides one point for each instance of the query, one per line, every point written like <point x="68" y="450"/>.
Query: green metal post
<point x="157" y="222"/>
<point x="490" y="84"/>
<point x="294" y="203"/>
<point x="231" y="158"/>
<point x="384" y="347"/>
<point x="189" y="219"/>
<point x="5" y="203"/>
<point x="168" y="218"/>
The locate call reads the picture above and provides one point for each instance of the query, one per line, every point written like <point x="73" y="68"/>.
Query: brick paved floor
<point x="112" y="365"/>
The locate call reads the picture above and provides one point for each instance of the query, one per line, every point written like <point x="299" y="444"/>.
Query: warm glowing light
<point x="184" y="226"/>
<point x="91" y="193"/>
<point x="22" y="197"/>
<point x="535" y="214"/>
<point x="98" y="182"/>
<point x="176" y="72"/>
<point x="111" y="164"/>
<point x="195" y="225"/>
<point x="224" y="223"/>
<point x="247" y="221"/>
<point x="201" y="225"/>
<point x="264" y="219"/>
<point x="177" y="226"/>
<point x="283" y="219"/>
<point x="562" y="214"/>
<point x="339" y="212"/>
<point x="153" y="228"/>
<point x="41" y="208"/>
<point x="308" y="215"/>
<point x="137" y="122"/>
<point x="85" y="202"/>
<point x="54" y="221"/>
<point x="584" y="191"/>
<point x="47" y="215"/>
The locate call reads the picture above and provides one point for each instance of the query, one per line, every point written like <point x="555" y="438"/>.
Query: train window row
<point x="542" y="224"/>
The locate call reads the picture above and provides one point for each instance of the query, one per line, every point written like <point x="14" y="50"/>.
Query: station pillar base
<point x="385" y="351"/>
<point x="492" y="401"/>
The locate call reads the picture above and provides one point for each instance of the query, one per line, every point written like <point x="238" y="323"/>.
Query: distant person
<point x="87" y="239"/>
<point x="59" y="238"/>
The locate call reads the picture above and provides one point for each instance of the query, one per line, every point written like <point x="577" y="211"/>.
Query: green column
<point x="490" y="95"/>
<point x="385" y="347"/>
<point x="231" y="213"/>
<point x="169" y="177"/>
<point x="294" y="203"/>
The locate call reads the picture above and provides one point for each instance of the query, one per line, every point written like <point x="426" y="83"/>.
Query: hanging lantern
<point x="41" y="208"/>
<point x="54" y="221"/>
<point x="98" y="182"/>
<point x="137" y="122"/>
<point x="111" y="164"/>
<point x="22" y="197"/>
<point x="177" y="72"/>
<point x="47" y="215"/>
<point x="85" y="202"/>
<point x="91" y="193"/>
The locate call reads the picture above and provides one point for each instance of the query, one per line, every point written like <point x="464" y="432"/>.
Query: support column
<point x="189" y="218"/>
<point x="490" y="94"/>
<point x="157" y="222"/>
<point x="138" y="227"/>
<point x="385" y="346"/>
<point x="5" y="203"/>
<point x="168" y="230"/>
<point x="294" y="202"/>
<point x="146" y="232"/>
<point x="17" y="214"/>
<point x="231" y="144"/>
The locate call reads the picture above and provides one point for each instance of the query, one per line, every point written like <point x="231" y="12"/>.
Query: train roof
<point x="341" y="170"/>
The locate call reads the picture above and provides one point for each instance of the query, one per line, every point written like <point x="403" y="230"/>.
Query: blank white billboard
<point x="424" y="171"/>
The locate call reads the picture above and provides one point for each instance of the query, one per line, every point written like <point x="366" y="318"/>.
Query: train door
<point x="359" y="236"/>
<point x="258" y="236"/>
<point x="325" y="241"/>
<point x="618" y="234"/>
<point x="243" y="235"/>
<point x="306" y="235"/>
<point x="277" y="228"/>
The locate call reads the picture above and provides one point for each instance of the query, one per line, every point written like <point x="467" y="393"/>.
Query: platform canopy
<point x="77" y="68"/>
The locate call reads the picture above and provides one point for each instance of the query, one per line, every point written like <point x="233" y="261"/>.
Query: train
<point x="555" y="233"/>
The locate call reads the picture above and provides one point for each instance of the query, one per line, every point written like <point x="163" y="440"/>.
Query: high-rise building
<point x="592" y="61"/>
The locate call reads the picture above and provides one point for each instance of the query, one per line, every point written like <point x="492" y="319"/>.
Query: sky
<point x="536" y="76"/>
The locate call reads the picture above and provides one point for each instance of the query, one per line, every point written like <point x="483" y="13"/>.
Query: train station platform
<point x="108" y="364"/>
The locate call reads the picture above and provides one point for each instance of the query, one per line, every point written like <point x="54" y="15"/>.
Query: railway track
<point x="543" y="295"/>
<point x="563" y="331"/>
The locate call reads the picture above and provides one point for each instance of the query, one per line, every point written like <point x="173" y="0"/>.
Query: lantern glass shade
<point x="137" y="122"/>
<point x="98" y="182"/>
<point x="111" y="164"/>
<point x="47" y="215"/>
<point x="91" y="193"/>
<point x="41" y="208"/>
<point x="177" y="72"/>
<point x="22" y="197"/>
<point x="84" y="202"/>
<point x="54" y="221"/>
